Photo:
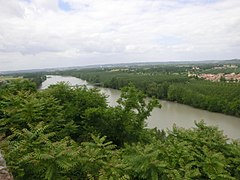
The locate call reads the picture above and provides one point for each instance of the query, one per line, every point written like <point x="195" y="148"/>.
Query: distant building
<point x="217" y="77"/>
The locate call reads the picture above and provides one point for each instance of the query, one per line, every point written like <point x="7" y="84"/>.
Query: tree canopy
<point x="72" y="133"/>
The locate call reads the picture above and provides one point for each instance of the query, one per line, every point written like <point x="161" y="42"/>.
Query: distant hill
<point x="231" y="61"/>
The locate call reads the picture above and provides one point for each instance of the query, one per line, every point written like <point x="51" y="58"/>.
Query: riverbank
<point x="170" y="113"/>
<point x="220" y="97"/>
<point x="180" y="95"/>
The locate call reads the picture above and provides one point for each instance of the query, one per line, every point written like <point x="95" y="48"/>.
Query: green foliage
<point x="144" y="161"/>
<point x="170" y="83"/>
<point x="71" y="133"/>
<point x="76" y="101"/>
<point x="124" y="123"/>
<point x="101" y="160"/>
<point x="199" y="153"/>
<point x="15" y="85"/>
<point x="32" y="155"/>
<point x="132" y="99"/>
<point x="25" y="107"/>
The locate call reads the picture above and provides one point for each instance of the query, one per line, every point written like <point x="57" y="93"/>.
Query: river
<point x="170" y="113"/>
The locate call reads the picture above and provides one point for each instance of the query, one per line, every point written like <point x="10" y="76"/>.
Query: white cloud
<point x="40" y="33"/>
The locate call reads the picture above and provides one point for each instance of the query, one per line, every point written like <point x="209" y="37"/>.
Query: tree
<point x="29" y="108"/>
<point x="32" y="155"/>
<point x="71" y="133"/>
<point x="144" y="161"/>
<point x="124" y="123"/>
<point x="101" y="160"/>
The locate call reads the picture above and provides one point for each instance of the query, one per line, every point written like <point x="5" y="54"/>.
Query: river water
<point x="170" y="113"/>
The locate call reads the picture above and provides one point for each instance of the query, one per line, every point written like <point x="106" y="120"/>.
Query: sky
<point x="64" y="33"/>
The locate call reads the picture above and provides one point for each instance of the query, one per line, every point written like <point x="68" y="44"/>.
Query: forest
<point x="72" y="133"/>
<point x="170" y="83"/>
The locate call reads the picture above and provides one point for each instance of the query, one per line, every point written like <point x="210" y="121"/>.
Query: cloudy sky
<point x="59" y="33"/>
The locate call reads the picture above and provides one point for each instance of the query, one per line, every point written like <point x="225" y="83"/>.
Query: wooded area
<point x="171" y="84"/>
<point x="71" y="133"/>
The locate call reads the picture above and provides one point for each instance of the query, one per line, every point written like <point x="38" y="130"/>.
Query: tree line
<point x="219" y="97"/>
